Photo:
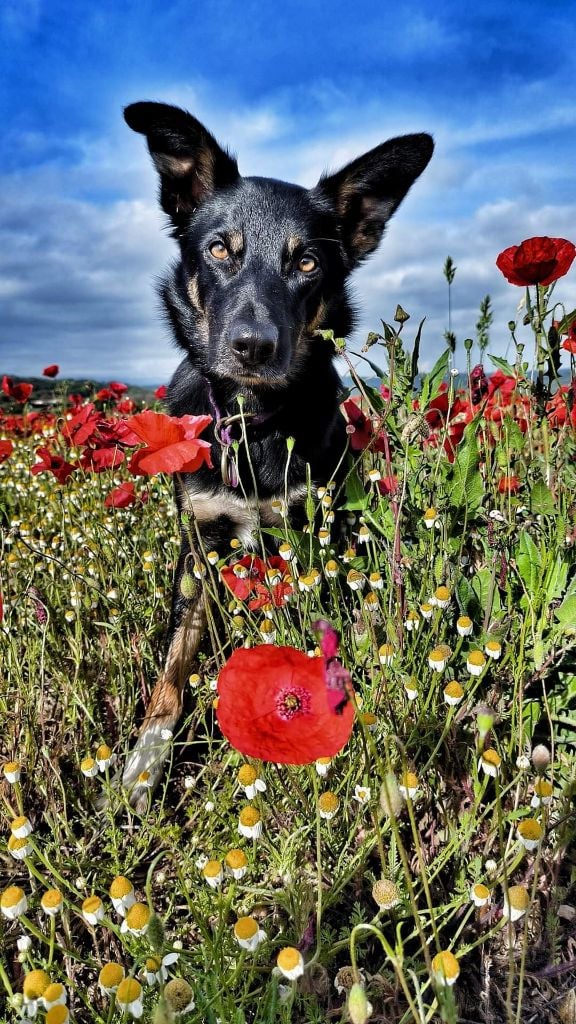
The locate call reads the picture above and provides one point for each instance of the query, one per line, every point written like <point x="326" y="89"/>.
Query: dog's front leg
<point x="187" y="624"/>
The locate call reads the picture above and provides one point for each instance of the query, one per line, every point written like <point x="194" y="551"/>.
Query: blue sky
<point x="292" y="88"/>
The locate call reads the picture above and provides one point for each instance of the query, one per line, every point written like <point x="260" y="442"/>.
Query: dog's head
<point x="263" y="262"/>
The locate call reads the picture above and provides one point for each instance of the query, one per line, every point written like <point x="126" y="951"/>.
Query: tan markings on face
<point x="293" y="242"/>
<point x="317" y="319"/>
<point x="194" y="294"/>
<point x="235" y="242"/>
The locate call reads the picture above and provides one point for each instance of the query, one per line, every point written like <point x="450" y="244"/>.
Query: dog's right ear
<point x="188" y="159"/>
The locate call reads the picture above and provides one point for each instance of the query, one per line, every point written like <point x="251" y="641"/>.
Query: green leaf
<point x="483" y="589"/>
<point x="514" y="437"/>
<point x="502" y="364"/>
<point x="529" y="564"/>
<point x="566" y="613"/>
<point x="432" y="381"/>
<point x="566" y="322"/>
<point x="416" y="352"/>
<point x="356" y="497"/>
<point x="541" y="500"/>
<point x="467" y="600"/>
<point x="466" y="487"/>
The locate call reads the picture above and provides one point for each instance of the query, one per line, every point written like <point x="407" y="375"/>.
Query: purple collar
<point x="223" y="431"/>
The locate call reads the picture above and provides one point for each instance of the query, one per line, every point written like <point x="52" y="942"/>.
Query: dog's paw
<point x="145" y="764"/>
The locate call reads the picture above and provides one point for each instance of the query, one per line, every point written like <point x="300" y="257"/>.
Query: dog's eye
<point x="219" y="251"/>
<point x="307" y="264"/>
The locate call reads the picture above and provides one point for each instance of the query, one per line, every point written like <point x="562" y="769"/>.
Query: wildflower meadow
<point x="368" y="810"/>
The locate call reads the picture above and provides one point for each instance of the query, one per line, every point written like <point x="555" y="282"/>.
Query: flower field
<point x="368" y="813"/>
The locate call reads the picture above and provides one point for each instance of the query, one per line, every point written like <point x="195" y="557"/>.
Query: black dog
<point x="263" y="265"/>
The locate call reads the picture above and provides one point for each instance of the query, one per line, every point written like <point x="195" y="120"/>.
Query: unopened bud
<point x="156" y="935"/>
<point x="540" y="757"/>
<point x="390" y="796"/>
<point x="401" y="316"/>
<point x="187" y="585"/>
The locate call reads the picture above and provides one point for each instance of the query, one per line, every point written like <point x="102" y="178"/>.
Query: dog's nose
<point x="254" y="344"/>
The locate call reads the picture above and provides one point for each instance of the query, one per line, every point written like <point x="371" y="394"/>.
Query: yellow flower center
<point x="153" y="964"/>
<point x="464" y="622"/>
<point x="477" y="658"/>
<point x="35" y="984"/>
<point x="530" y="829"/>
<point x="129" y="990"/>
<point x="212" y="869"/>
<point x="328" y="802"/>
<point x="493" y="645"/>
<point x="323" y="761"/>
<point x="368" y="718"/>
<point x="430" y="513"/>
<point x="111" y="975"/>
<point x="249" y="817"/>
<point x="103" y="752"/>
<point x="87" y="764"/>
<point x="53" y="992"/>
<point x="11" y="896"/>
<point x="11" y="767"/>
<point x="17" y="844"/>
<point x="138" y="916"/>
<point x="18" y="823"/>
<point x="446" y="965"/>
<point x="518" y="897"/>
<point x="236" y="859"/>
<point x="386" y="651"/>
<point x="385" y="893"/>
<point x="442" y="594"/>
<point x="57" y="1014"/>
<point x="245" y="928"/>
<point x="482" y="892"/>
<point x="247" y="775"/>
<point x="120" y="887"/>
<point x="178" y="993"/>
<point x="492" y="757"/>
<point x="288" y="958"/>
<point x="410" y="780"/>
<point x="51" y="899"/>
<point x="454" y="689"/>
<point x="331" y="566"/>
<point x="92" y="904"/>
<point x="543" y="788"/>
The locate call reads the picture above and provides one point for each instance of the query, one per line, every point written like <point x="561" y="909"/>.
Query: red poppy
<point x="117" y="388"/>
<point x="125" y="407"/>
<point x="97" y="459"/>
<point x="122" y="496"/>
<point x="171" y="443"/>
<point x="6" y="449"/>
<point x="273" y="704"/>
<point x="569" y="342"/>
<point x="161" y="392"/>
<point x="508" y="484"/>
<point x="361" y="429"/>
<point x="19" y="392"/>
<point x="243" y="576"/>
<point x="539" y="260"/>
<point x="51" y="371"/>
<point x="389" y="485"/>
<point x="82" y="426"/>
<point x="53" y="464"/>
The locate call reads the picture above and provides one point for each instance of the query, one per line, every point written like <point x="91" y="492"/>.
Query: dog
<point x="263" y="266"/>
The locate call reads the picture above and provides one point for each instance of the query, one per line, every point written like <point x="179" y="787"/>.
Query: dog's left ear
<point x="367" y="191"/>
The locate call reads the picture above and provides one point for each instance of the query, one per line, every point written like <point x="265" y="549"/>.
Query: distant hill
<point x="50" y="391"/>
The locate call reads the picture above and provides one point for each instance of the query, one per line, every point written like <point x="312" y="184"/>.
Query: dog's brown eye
<point x="219" y="251"/>
<point x="307" y="264"/>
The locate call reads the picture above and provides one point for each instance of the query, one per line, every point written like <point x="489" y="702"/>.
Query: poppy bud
<point x="358" y="1004"/>
<point x="187" y="586"/>
<point x="401" y="316"/>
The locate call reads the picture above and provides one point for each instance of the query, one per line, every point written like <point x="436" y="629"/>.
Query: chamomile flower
<point x="250" y="822"/>
<point x="322" y="765"/>
<point x="236" y="862"/>
<point x="247" y="933"/>
<point x="516" y="902"/>
<point x="411" y="688"/>
<point x="374" y="475"/>
<point x="530" y="833"/>
<point x="370" y="604"/>
<point x="89" y="767"/>
<point x="267" y="631"/>
<point x="121" y="893"/>
<point x="369" y="720"/>
<point x="331" y="569"/>
<point x="438" y="657"/>
<point x="364" y="534"/>
<point x="430" y="518"/>
<point x="286" y="552"/>
<point x="19" y="848"/>
<point x="490" y="762"/>
<point x="290" y="962"/>
<point x="54" y="995"/>
<point x="212" y="873"/>
<point x="250" y="781"/>
<point x="385" y="893"/>
<point x="362" y="794"/>
<point x="179" y="996"/>
<point x="11" y="771"/>
<point x="453" y="693"/>
<point x="412" y="621"/>
<point x="426" y="610"/>
<point x="52" y="902"/>
<point x="355" y="579"/>
<point x="441" y="597"/>
<point x="493" y="648"/>
<point x="212" y="557"/>
<point x="475" y="663"/>
<point x="323" y="536"/>
<point x="464" y="625"/>
<point x="34" y="987"/>
<point x="110" y="976"/>
<point x="13" y="902"/>
<point x="137" y="919"/>
<point x="542" y="793"/>
<point x="129" y="997"/>
<point x="480" y="894"/>
<point x="92" y="910"/>
<point x="58" y="1014"/>
<point x="156" y="968"/>
<point x="328" y="804"/>
<point x="386" y="654"/>
<point x="408" y="785"/>
<point x="445" y="968"/>
<point x="104" y="757"/>
<point x="375" y="581"/>
<point x="21" y="827"/>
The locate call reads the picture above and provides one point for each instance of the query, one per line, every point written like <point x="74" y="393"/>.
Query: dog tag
<point x="228" y="467"/>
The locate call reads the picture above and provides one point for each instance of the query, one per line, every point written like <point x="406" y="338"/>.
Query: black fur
<point x="263" y="264"/>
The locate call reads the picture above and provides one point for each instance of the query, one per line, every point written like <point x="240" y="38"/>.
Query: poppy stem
<point x="314" y="778"/>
